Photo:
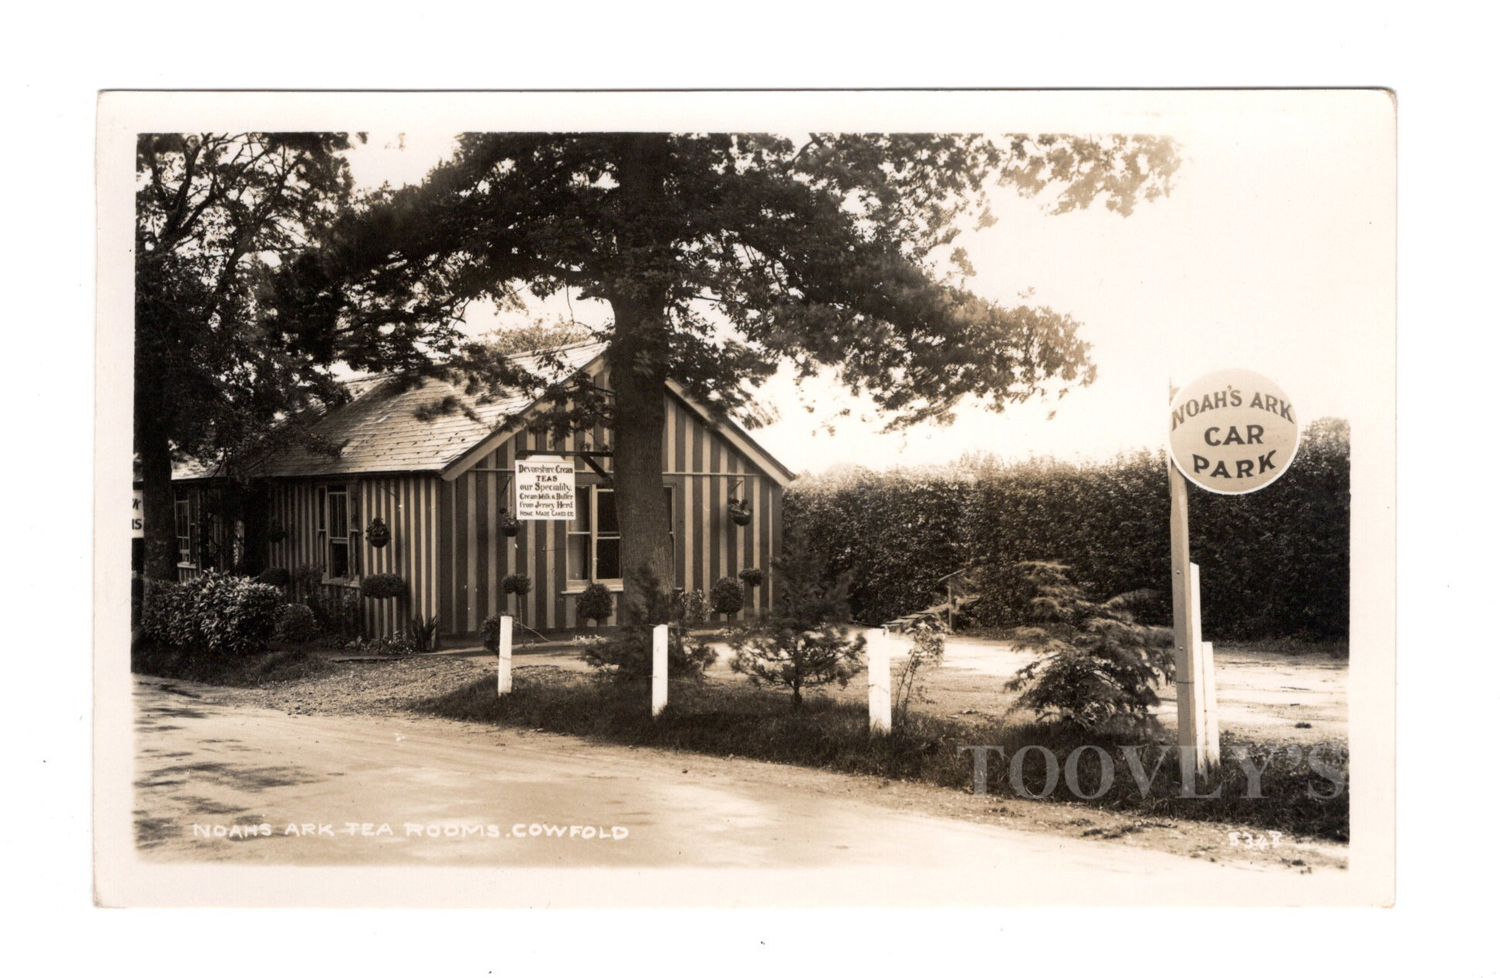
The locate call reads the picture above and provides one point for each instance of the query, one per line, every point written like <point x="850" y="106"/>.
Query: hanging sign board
<point x="1233" y="431"/>
<point x="137" y="514"/>
<point x="544" y="488"/>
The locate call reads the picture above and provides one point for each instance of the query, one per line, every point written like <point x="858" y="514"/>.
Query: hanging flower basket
<point x="739" y="511"/>
<point x="275" y="532"/>
<point x="509" y="525"/>
<point x="378" y="533"/>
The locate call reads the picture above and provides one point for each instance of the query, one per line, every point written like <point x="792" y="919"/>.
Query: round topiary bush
<point x="377" y="587"/>
<point x="516" y="584"/>
<point x="275" y="576"/>
<point x="295" y="623"/>
<point x="596" y="603"/>
<point x="727" y="596"/>
<point x="753" y="576"/>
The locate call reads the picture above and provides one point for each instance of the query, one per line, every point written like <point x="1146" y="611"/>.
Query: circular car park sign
<point x="1233" y="431"/>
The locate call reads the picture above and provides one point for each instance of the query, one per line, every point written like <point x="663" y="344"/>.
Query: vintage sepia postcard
<point x="745" y="499"/>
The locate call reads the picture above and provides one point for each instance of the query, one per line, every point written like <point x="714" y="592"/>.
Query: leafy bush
<point x="626" y="655"/>
<point x="727" y="596"/>
<point x="423" y="633"/>
<point x="275" y="576"/>
<point x="295" y="623"/>
<point x="800" y="644"/>
<point x="338" y="611"/>
<point x="309" y="580"/>
<point x="169" y="613"/>
<point x="223" y="614"/>
<point x="928" y="642"/>
<point x="1096" y="665"/>
<point x="516" y="584"/>
<point x="596" y="603"/>
<point x="692" y="608"/>
<point x="236" y="615"/>
<point x="753" y="576"/>
<point x="378" y="587"/>
<point x="490" y="633"/>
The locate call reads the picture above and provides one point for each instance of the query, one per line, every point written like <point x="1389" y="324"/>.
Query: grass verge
<point x="733" y="720"/>
<point x="283" y="665"/>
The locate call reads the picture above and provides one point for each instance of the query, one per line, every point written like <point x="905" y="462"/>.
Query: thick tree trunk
<point x="160" y="517"/>
<point x="645" y="523"/>
<point x="637" y="361"/>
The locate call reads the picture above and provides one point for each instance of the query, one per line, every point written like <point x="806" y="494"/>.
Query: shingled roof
<point x="384" y="428"/>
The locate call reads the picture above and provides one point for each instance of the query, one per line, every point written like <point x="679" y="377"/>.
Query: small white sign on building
<point x="138" y="514"/>
<point x="544" y="488"/>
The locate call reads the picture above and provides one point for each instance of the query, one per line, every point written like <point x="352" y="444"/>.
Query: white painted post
<point x="877" y="646"/>
<point x="1210" y="705"/>
<point x="504" y="678"/>
<point x="658" y="669"/>
<point x="1186" y="634"/>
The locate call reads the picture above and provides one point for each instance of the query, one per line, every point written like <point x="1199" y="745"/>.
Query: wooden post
<point x="658" y="669"/>
<point x="877" y="647"/>
<point x="504" y="680"/>
<point x="1210" y="705"/>
<point x="1186" y="635"/>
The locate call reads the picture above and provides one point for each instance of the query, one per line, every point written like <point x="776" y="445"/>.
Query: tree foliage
<point x="216" y="367"/>
<point x="722" y="256"/>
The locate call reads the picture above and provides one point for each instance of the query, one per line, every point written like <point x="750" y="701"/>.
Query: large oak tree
<point x="723" y="256"/>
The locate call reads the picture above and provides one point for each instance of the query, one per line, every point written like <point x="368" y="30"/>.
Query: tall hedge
<point x="1274" y="562"/>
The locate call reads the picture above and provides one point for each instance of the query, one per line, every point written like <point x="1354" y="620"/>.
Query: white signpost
<point x="658" y="670"/>
<point x="504" y="680"/>
<point x="878" y="648"/>
<point x="544" y="488"/>
<point x="1232" y="432"/>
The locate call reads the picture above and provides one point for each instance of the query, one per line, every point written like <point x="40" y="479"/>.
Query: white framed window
<point x="335" y="521"/>
<point x="182" y="511"/>
<point x="594" y="538"/>
<point x="593" y="547"/>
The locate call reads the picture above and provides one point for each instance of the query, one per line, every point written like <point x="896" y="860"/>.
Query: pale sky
<point x="1272" y="253"/>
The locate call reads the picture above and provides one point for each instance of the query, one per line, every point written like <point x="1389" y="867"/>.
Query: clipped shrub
<point x="378" y="587"/>
<point x="753" y="576"/>
<point x="727" y="596"/>
<point x="516" y="584"/>
<point x="275" y="576"/>
<point x="236" y="616"/>
<point x="1274" y="563"/>
<point x="596" y="603"/>
<point x="295" y="623"/>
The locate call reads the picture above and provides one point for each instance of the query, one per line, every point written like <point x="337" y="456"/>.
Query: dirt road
<point x="221" y="781"/>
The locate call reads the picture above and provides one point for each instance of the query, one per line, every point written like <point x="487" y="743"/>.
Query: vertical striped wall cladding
<point x="703" y="469"/>
<point x="407" y="503"/>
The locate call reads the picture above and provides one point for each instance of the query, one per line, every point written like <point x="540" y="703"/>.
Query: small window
<point x="182" y="509"/>
<point x="340" y="564"/>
